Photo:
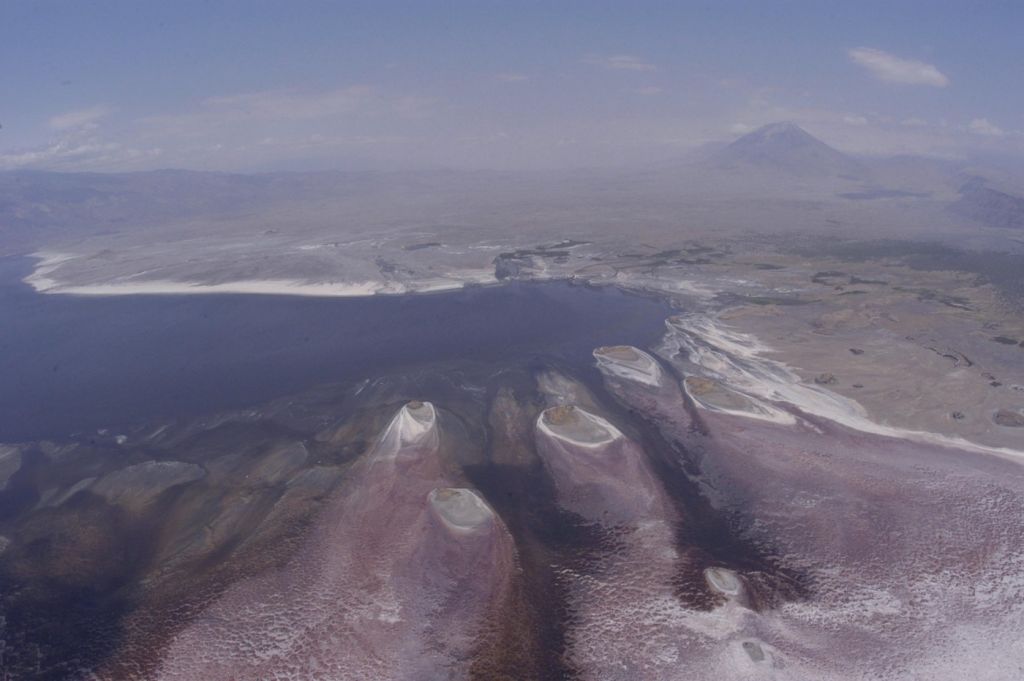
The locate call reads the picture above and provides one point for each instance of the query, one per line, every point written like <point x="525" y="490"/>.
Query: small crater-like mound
<point x="630" y="363"/>
<point x="459" y="508"/>
<point x="575" y="425"/>
<point x="724" y="581"/>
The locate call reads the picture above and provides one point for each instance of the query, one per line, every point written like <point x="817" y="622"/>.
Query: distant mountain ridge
<point x="785" y="148"/>
<point x="993" y="208"/>
<point x="777" y="178"/>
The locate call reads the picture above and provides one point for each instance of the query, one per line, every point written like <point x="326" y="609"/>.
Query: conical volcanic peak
<point x="787" y="148"/>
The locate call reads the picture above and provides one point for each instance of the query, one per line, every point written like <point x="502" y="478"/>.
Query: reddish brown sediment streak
<point x="397" y="581"/>
<point x="625" y="621"/>
<point x="599" y="474"/>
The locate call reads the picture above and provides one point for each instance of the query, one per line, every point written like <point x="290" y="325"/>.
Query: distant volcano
<point x="785" y="148"/>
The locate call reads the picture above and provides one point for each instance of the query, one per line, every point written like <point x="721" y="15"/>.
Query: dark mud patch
<point x="545" y="536"/>
<point x="68" y="581"/>
<point x="1003" y="340"/>
<point x="1004" y="270"/>
<point x="420" y="247"/>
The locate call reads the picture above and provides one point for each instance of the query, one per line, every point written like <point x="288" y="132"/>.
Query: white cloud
<point x="893" y="69"/>
<point x="513" y="77"/>
<point x="72" y="155"/>
<point x="619" y="62"/>
<point x="650" y="90"/>
<point x="982" y="126"/>
<point x="79" y="119"/>
<point x="78" y="144"/>
<point x="240" y="130"/>
<point x="853" y="119"/>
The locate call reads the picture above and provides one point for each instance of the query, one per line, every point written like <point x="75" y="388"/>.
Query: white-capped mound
<point x="415" y="425"/>
<point x="461" y="509"/>
<point x="630" y="363"/>
<point x="724" y="581"/>
<point x="713" y="396"/>
<point x="577" y="426"/>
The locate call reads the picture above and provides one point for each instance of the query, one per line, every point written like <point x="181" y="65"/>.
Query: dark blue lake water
<point x="71" y="363"/>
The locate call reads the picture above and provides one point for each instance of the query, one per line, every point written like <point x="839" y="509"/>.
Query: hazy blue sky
<point x="260" y="85"/>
